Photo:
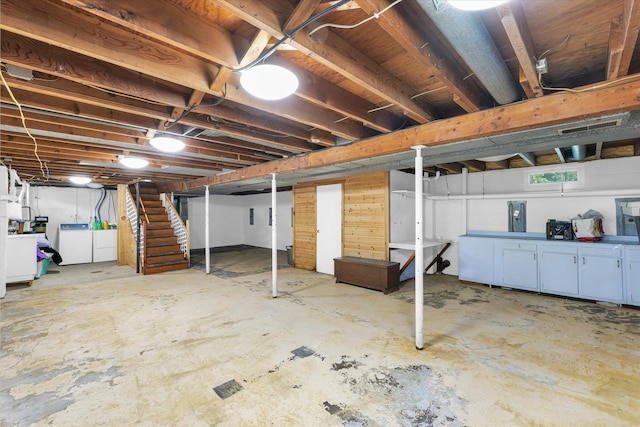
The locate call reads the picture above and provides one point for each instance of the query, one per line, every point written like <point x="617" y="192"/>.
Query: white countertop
<point x="426" y="243"/>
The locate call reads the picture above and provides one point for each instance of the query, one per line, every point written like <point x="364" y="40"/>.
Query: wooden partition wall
<point x="365" y="218"/>
<point x="126" y="239"/>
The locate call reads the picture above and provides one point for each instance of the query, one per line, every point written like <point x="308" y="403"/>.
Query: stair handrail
<point x="144" y="211"/>
<point x="180" y="229"/>
<point x="133" y="217"/>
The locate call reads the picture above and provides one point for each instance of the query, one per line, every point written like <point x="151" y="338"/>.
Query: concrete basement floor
<point x="99" y="345"/>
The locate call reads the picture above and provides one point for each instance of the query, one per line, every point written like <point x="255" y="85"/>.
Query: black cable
<point x="288" y="36"/>
<point x="168" y="125"/>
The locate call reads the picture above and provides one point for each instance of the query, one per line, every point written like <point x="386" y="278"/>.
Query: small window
<point x="554" y="178"/>
<point x="270" y="219"/>
<point x="250" y="216"/>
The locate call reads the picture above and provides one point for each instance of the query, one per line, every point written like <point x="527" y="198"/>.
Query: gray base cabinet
<point x="559" y="269"/>
<point x="596" y="271"/>
<point x="632" y="275"/>
<point x="600" y="272"/>
<point x="519" y="265"/>
<point x="475" y="259"/>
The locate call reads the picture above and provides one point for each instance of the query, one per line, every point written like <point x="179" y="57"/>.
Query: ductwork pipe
<point x="96" y="210"/>
<point x="469" y="37"/>
<point x="578" y="152"/>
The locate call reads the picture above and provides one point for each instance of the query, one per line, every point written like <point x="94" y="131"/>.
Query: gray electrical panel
<point x="517" y="215"/>
<point x="625" y="226"/>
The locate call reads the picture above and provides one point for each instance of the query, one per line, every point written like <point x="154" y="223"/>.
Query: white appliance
<point x="21" y="257"/>
<point x="105" y="245"/>
<point x="75" y="244"/>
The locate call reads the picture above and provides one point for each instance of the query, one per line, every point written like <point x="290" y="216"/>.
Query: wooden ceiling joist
<point x="623" y="37"/>
<point x="515" y="24"/>
<point x="532" y="113"/>
<point x="333" y="53"/>
<point x="427" y="53"/>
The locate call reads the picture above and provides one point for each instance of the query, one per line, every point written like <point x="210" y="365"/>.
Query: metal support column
<point x="419" y="249"/>
<point x="207" y="254"/>
<point x="274" y="237"/>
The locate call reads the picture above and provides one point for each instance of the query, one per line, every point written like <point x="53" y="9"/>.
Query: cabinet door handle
<point x="583" y="262"/>
<point x="575" y="261"/>
<point x="535" y="256"/>
<point x="618" y="263"/>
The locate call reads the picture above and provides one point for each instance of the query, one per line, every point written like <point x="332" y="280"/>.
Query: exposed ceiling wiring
<point x="417" y="95"/>
<point x="24" y="125"/>
<point x="221" y="124"/>
<point x="124" y="95"/>
<point x="567" y="89"/>
<point x="553" y="49"/>
<point x="168" y="125"/>
<point x="349" y="27"/>
<point x="289" y="36"/>
<point x="587" y="89"/>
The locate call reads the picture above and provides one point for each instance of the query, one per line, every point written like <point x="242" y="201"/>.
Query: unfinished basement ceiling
<point x="97" y="80"/>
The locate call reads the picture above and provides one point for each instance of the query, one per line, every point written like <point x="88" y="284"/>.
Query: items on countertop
<point x="559" y="230"/>
<point x="588" y="226"/>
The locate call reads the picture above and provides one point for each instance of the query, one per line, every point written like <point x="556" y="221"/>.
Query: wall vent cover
<point x="593" y="126"/>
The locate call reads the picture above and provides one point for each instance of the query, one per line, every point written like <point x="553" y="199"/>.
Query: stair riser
<point x="164" y="268"/>
<point x="159" y="224"/>
<point x="156" y="211"/>
<point x="160" y="241"/>
<point x="157" y="250"/>
<point x="160" y="259"/>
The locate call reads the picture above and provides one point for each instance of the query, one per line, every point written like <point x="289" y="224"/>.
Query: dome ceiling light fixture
<point x="133" y="162"/>
<point x="80" y="180"/>
<point x="167" y="144"/>
<point x="269" y="82"/>
<point x="473" y="5"/>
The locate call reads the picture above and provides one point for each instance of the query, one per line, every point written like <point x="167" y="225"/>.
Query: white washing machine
<point x="75" y="244"/>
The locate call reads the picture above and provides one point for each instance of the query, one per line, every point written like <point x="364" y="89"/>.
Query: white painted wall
<point x="226" y="227"/>
<point x="259" y="234"/>
<point x="230" y="220"/>
<point x="70" y="205"/>
<point x="491" y="214"/>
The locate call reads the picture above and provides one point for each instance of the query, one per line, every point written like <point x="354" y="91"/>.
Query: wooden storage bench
<point x="369" y="273"/>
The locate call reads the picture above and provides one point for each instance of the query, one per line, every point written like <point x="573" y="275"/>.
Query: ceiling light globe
<point x="167" y="144"/>
<point x="475" y="4"/>
<point x="80" y="180"/>
<point x="269" y="82"/>
<point x="133" y="162"/>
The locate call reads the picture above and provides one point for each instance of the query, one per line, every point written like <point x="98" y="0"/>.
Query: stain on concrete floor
<point x="148" y="349"/>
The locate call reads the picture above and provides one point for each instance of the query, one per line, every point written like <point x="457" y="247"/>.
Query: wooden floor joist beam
<point x="622" y="95"/>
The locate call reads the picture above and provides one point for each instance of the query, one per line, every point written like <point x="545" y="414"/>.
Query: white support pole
<point x="465" y="207"/>
<point x="207" y="255"/>
<point x="274" y="238"/>
<point x="419" y="249"/>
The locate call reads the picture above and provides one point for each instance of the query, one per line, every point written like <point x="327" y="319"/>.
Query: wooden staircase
<point x="161" y="249"/>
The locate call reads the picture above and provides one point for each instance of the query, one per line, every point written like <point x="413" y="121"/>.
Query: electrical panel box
<point x="517" y="215"/>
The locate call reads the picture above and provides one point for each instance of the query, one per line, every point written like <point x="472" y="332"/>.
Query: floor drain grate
<point x="227" y="389"/>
